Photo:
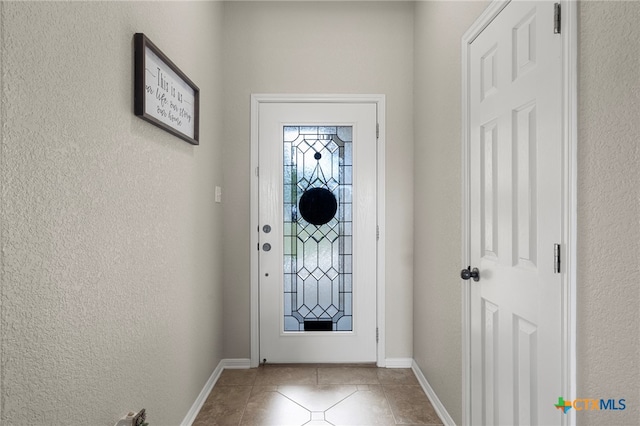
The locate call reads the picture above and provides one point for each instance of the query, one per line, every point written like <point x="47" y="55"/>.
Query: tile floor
<point x="317" y="395"/>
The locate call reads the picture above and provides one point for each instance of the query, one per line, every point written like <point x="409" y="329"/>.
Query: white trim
<point x="570" y="125"/>
<point x="399" y="362"/>
<point x="236" y="363"/>
<point x="254" y="294"/>
<point x="202" y="397"/>
<point x="208" y="387"/>
<point x="570" y="202"/>
<point x="256" y="100"/>
<point x="381" y="247"/>
<point x="439" y="408"/>
<point x="465" y="227"/>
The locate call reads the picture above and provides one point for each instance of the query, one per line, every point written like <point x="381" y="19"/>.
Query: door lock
<point x="474" y="273"/>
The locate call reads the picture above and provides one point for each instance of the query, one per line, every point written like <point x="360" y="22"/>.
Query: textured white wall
<point x="111" y="257"/>
<point x="319" y="47"/>
<point x="608" y="209"/>
<point x="437" y="312"/>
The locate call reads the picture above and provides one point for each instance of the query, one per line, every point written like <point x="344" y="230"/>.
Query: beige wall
<point x="111" y="265"/>
<point x="439" y="27"/>
<point x="111" y="257"/>
<point x="608" y="209"/>
<point x="329" y="47"/>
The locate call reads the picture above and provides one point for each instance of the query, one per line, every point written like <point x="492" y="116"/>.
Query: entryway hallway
<point x="315" y="395"/>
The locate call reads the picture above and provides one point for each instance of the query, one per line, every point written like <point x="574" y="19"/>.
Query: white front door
<point x="515" y="202"/>
<point x="317" y="232"/>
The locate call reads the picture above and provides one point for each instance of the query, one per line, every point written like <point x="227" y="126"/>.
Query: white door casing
<point x="269" y="340"/>
<point x="517" y="203"/>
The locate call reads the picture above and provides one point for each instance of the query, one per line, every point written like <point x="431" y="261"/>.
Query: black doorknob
<point x="474" y="273"/>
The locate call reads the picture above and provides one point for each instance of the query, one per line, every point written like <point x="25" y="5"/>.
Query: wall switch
<point x="218" y="194"/>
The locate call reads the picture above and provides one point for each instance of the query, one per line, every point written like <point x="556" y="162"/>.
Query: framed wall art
<point x="163" y="95"/>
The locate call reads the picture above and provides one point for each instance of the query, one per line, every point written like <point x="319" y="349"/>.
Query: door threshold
<point x="320" y="365"/>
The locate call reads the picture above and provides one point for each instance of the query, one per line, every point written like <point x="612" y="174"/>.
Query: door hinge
<point x="377" y="335"/>
<point x="377" y="131"/>
<point x="556" y="258"/>
<point x="377" y="233"/>
<point x="257" y="171"/>
<point x="557" y="18"/>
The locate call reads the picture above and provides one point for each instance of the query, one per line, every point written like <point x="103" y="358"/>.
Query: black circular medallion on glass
<point x="318" y="206"/>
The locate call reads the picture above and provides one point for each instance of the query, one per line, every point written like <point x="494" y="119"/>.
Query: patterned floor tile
<point x="396" y="376"/>
<point x="286" y="376"/>
<point x="347" y="376"/>
<point x="410" y="405"/>
<point x="317" y="398"/>
<point x="362" y="408"/>
<point x="272" y="408"/>
<point x="239" y="377"/>
<point x="322" y="395"/>
<point x="224" y="406"/>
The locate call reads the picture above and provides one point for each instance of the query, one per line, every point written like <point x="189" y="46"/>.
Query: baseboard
<point x="208" y="386"/>
<point x="435" y="401"/>
<point x="236" y="363"/>
<point x="399" y="363"/>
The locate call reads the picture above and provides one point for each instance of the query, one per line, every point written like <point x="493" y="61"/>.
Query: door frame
<point x="569" y="201"/>
<point x="379" y="101"/>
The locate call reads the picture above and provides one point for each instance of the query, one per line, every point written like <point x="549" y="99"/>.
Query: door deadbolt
<point x="266" y="247"/>
<point x="266" y="229"/>
<point x="474" y="273"/>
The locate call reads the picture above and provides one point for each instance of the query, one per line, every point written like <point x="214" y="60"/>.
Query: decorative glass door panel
<point x="317" y="231"/>
<point x="317" y="228"/>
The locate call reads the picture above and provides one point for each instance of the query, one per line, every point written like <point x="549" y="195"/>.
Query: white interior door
<point x="515" y="136"/>
<point x="317" y="232"/>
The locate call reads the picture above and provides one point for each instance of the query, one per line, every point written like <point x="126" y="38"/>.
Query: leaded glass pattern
<point x="318" y="258"/>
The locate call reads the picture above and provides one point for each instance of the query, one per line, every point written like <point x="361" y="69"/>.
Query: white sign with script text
<point x="168" y="98"/>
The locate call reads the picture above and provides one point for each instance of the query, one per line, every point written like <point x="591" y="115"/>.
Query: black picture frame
<point x="163" y="95"/>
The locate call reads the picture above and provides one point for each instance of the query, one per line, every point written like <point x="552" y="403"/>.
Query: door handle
<point x="474" y="273"/>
